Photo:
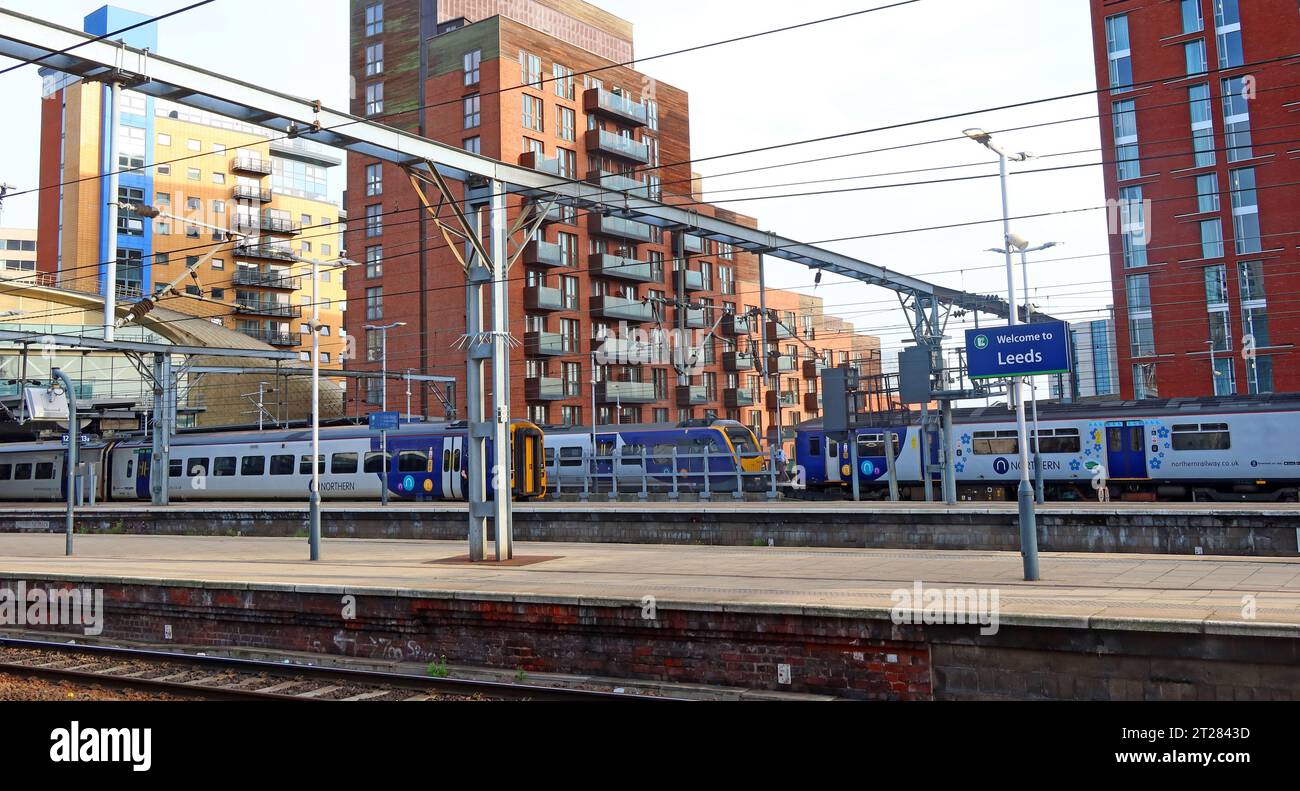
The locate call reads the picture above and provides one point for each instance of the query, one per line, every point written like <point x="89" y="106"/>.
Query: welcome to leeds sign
<point x="1025" y="350"/>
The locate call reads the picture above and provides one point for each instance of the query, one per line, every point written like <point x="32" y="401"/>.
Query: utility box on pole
<point x="915" y="375"/>
<point x="835" y="400"/>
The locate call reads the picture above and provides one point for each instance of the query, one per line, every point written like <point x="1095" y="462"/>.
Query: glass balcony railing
<point x="621" y="108"/>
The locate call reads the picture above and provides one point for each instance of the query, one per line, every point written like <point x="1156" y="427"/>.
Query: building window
<point x="1194" y="54"/>
<point x="1212" y="238"/>
<point x="194" y="145"/>
<point x="374" y="220"/>
<point x="1245" y="211"/>
<point x="472" y="114"/>
<point x="563" y="81"/>
<point x="532" y="113"/>
<point x="218" y="178"/>
<point x="1227" y="26"/>
<point x="193" y="174"/>
<point x="374" y="262"/>
<point x="375" y="99"/>
<point x="374" y="180"/>
<point x="1254" y="326"/>
<point x="1202" y="125"/>
<point x="1133" y="226"/>
<point x="375" y="60"/>
<point x="374" y="19"/>
<point x="568" y="161"/>
<point x="1144" y="381"/>
<point x="1236" y="119"/>
<point x="164" y="140"/>
<point x="1141" y="329"/>
<point x="1207" y="193"/>
<point x="1127" y="163"/>
<point x="1117" y="48"/>
<point x="473" y="145"/>
<point x="565" y="123"/>
<point x="473" y="60"/>
<point x="530" y="69"/>
<point x="652" y="114"/>
<point x="1193" y="22"/>
<point x="374" y="304"/>
<point x="535" y="146"/>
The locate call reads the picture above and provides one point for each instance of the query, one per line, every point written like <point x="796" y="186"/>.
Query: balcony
<point x="272" y="338"/>
<point x="612" y="105"/>
<point x="543" y="298"/>
<point x="692" y="395"/>
<point x="545" y="254"/>
<point x="538" y="162"/>
<point x="244" y="192"/>
<point x="691" y="244"/>
<point x="281" y="310"/>
<point x="598" y="140"/>
<point x="544" y="389"/>
<point x="613" y="181"/>
<point x="265" y="252"/>
<point x="622" y="268"/>
<point x="245" y="276"/>
<point x="251" y="164"/>
<point x="786" y="400"/>
<point x="544" y="344"/>
<point x="780" y="363"/>
<point x="736" y="398"/>
<point x="619" y="309"/>
<point x="694" y="280"/>
<point x="736" y="326"/>
<point x="737" y="362"/>
<point x="247" y="223"/>
<point x="619" y="227"/>
<point x="812" y="402"/>
<point x="696" y="319"/>
<point x="776" y="331"/>
<point x="621" y="351"/>
<point x="626" y="393"/>
<point x="813" y="368"/>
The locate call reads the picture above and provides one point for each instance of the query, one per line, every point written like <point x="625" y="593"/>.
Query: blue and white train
<point x="1217" y="449"/>
<point x="425" y="462"/>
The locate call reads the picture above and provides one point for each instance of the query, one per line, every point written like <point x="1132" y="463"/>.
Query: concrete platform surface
<point x="1203" y="594"/>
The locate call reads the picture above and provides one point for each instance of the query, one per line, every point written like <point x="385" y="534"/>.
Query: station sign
<point x="385" y="421"/>
<point x="84" y="440"/>
<point x="1023" y="350"/>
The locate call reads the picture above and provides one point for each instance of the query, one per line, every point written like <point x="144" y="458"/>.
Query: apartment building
<point x="17" y="251"/>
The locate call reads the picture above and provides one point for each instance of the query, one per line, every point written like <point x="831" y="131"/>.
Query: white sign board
<point x="44" y="403"/>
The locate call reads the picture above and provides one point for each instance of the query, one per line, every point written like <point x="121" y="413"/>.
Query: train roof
<point x="1115" y="409"/>
<point x="686" y="424"/>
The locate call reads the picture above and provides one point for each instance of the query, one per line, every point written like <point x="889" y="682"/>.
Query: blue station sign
<point x="1024" y="350"/>
<point x="385" y="421"/>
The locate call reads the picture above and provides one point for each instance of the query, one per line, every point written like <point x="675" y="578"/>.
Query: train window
<point x="6" y="471"/>
<point x="550" y="457"/>
<point x="446" y="461"/>
<point x="304" y="465"/>
<point x="995" y="443"/>
<point x="197" y="466"/>
<point x="570" y="457"/>
<point x="743" y="441"/>
<point x="344" y="464"/>
<point x="1116" y="441"/>
<point x="45" y="471"/>
<point x="604" y="449"/>
<point x="22" y="472"/>
<point x="253" y="466"/>
<point x="375" y="463"/>
<point x="1061" y="440"/>
<point x="832" y="449"/>
<point x="1206" y="436"/>
<point x="225" y="466"/>
<point x="815" y="446"/>
<point x="873" y="446"/>
<point x="282" y="465"/>
<point x="175" y="468"/>
<point x="455" y="461"/>
<point x="130" y="468"/>
<point x="633" y="455"/>
<point x="412" y="461"/>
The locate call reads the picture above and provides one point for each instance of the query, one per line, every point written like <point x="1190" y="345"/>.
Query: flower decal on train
<point x="1156" y="464"/>
<point x="1163" y="433"/>
<point x="960" y="467"/>
<point x="1076" y="465"/>
<point x="966" y="439"/>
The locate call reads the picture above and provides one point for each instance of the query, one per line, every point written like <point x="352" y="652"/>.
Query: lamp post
<point x="74" y="437"/>
<point x="1028" y="526"/>
<point x="1025" y="250"/>
<point x="383" y="397"/>
<point x="314" y="500"/>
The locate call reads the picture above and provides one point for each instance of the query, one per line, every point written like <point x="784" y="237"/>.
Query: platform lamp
<point x="383" y="389"/>
<point x="314" y="499"/>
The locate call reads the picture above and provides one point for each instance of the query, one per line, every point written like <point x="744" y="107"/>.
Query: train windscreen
<point x="743" y="441"/>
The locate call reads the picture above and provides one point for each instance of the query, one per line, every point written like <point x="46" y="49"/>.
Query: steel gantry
<point x="433" y="163"/>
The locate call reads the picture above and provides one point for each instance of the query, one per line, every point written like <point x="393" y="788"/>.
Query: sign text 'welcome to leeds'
<point x="1024" y="350"/>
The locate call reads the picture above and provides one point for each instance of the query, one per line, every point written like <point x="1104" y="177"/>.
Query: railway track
<point x="229" y="678"/>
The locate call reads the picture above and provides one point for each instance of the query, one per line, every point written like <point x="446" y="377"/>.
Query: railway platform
<point x="855" y="623"/>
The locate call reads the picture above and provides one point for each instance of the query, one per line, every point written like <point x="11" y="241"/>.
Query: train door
<point x="458" y="462"/>
<point x="1126" y="453"/>
<point x="143" y="463"/>
<point x="446" y="489"/>
<point x="831" y="457"/>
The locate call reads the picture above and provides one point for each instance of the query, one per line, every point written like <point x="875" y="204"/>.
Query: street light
<point x="314" y="500"/>
<point x="1023" y="246"/>
<point x="1028" y="526"/>
<point x="383" y="388"/>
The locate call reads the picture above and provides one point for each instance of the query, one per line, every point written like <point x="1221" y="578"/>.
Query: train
<point x="426" y="462"/>
<point x="655" y="457"/>
<point x="1225" y="449"/>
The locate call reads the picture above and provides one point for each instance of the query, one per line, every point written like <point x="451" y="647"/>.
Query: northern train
<point x="425" y="462"/>
<point x="1212" y="449"/>
<point x="631" y="455"/>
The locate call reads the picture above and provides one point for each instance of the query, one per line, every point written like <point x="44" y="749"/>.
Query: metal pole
<point x="949" y="456"/>
<point x="1028" y="524"/>
<point x="161" y="469"/>
<point x="502" y="505"/>
<point x="766" y="356"/>
<point x="74" y="437"/>
<point x="927" y="475"/>
<point x="408" y="393"/>
<point x="1033" y="388"/>
<point x="892" y="465"/>
<point x="110" y="272"/>
<point x="314" y="499"/>
<point x="474" y="385"/>
<point x="383" y="433"/>
<point x="853" y="461"/>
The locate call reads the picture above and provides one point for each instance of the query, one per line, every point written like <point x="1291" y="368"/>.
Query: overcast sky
<point x="933" y="58"/>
